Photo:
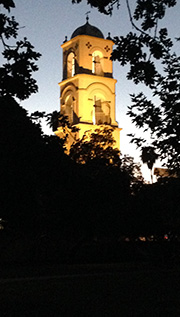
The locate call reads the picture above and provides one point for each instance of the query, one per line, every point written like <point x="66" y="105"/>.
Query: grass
<point x="93" y="291"/>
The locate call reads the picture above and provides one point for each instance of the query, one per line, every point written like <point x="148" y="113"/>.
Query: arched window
<point x="67" y="108"/>
<point x="71" y="65"/>
<point x="97" y="58"/>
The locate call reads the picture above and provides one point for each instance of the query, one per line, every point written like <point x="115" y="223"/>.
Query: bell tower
<point x="87" y="90"/>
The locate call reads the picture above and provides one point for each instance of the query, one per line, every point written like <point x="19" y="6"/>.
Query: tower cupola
<point x="88" y="29"/>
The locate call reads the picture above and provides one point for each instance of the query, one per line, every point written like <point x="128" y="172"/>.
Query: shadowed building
<point x="164" y="172"/>
<point x="87" y="90"/>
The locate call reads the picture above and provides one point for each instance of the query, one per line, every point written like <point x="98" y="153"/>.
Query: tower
<point x="87" y="89"/>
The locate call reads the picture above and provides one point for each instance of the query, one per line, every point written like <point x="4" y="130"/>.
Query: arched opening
<point x="70" y="65"/>
<point x="67" y="108"/>
<point x="97" y="59"/>
<point x="102" y="112"/>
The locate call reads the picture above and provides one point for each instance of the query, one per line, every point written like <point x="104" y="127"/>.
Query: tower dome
<point x="87" y="29"/>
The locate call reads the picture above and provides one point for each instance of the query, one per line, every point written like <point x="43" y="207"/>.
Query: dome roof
<point x="88" y="29"/>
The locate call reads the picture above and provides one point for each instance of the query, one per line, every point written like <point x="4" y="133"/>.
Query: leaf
<point x="8" y="4"/>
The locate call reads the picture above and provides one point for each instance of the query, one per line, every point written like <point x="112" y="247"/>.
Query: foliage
<point x="8" y="4"/>
<point x="149" y="157"/>
<point x="21" y="141"/>
<point x="22" y="144"/>
<point x="148" y="51"/>
<point x="97" y="148"/>
<point x="55" y="120"/>
<point x="21" y="147"/>
<point x="156" y="208"/>
<point x="162" y="118"/>
<point x="31" y="166"/>
<point x="16" y="73"/>
<point x="133" y="170"/>
<point x="94" y="145"/>
<point x="149" y="10"/>
<point x="105" y="7"/>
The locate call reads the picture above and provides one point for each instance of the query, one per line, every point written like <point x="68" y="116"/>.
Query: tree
<point x="96" y="145"/>
<point x="16" y="73"/>
<point x="147" y="49"/>
<point x="161" y="118"/>
<point x="55" y="120"/>
<point x="21" y="141"/>
<point x="133" y="170"/>
<point x="149" y="157"/>
<point x="156" y="209"/>
<point x="97" y="148"/>
<point x="90" y="197"/>
<point x="21" y="147"/>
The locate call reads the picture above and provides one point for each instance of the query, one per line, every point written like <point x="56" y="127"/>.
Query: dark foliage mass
<point x="54" y="207"/>
<point x="20" y="59"/>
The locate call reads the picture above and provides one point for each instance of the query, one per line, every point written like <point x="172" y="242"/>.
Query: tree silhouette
<point x="16" y="73"/>
<point x="149" y="157"/>
<point x="21" y="147"/>
<point x="97" y="148"/>
<point x="21" y="140"/>
<point x="162" y="117"/>
<point x="94" y="145"/>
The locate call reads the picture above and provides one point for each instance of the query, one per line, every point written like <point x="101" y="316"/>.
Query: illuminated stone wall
<point x="87" y="91"/>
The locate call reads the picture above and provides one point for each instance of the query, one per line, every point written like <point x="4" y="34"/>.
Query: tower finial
<point x="65" y="40"/>
<point x="87" y="16"/>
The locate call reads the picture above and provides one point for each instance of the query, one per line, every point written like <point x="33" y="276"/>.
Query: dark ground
<point x="90" y="290"/>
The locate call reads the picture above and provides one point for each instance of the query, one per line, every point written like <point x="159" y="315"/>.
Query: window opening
<point x="67" y="108"/>
<point x="101" y="114"/>
<point x="97" y="63"/>
<point x="71" y="65"/>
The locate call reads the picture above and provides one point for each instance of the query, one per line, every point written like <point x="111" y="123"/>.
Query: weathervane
<point x="87" y="15"/>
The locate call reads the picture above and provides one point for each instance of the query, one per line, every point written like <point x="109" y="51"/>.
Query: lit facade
<point x="87" y="90"/>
